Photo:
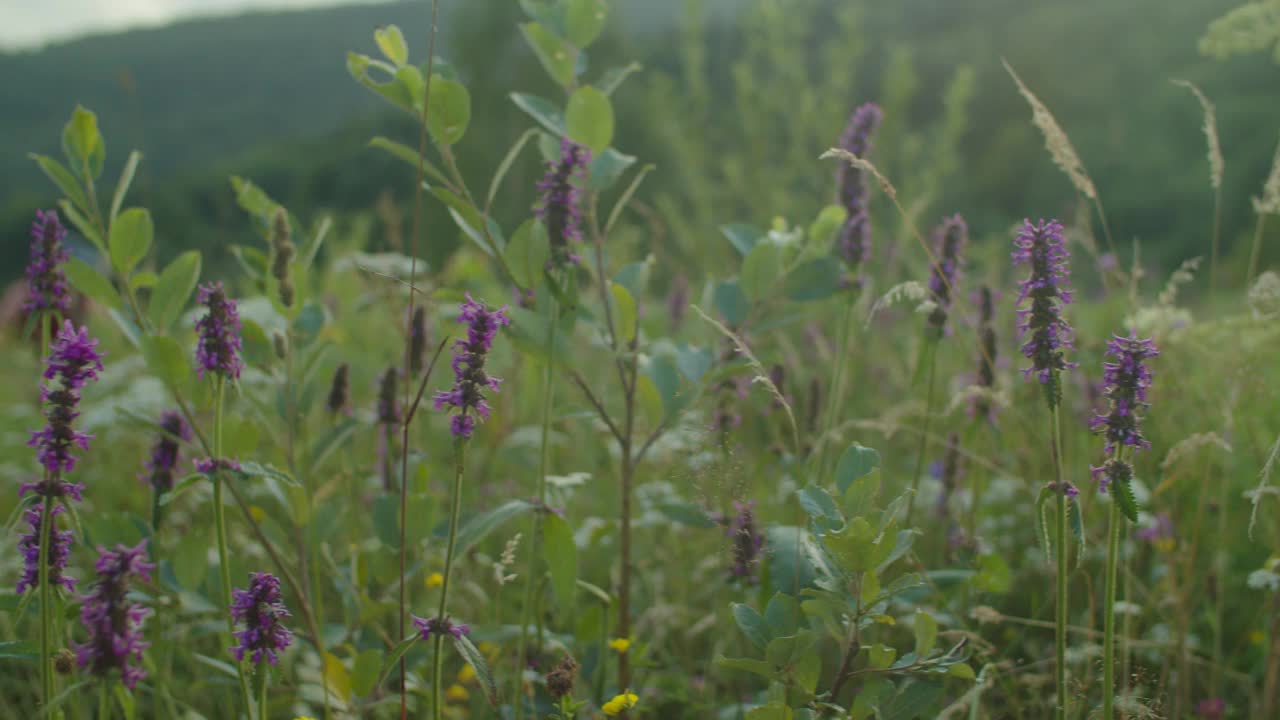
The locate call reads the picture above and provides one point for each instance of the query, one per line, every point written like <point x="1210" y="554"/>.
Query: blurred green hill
<point x="267" y="96"/>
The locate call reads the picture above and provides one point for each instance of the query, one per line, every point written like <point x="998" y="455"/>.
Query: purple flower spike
<point x="46" y="281"/>
<point x="219" y="344"/>
<point x="114" y="623"/>
<point x="440" y="626"/>
<point x="73" y="361"/>
<point x="1048" y="287"/>
<point x="560" y="204"/>
<point x="950" y="238"/>
<point x="470" y="379"/>
<point x="1127" y="378"/>
<point x="258" y="611"/>
<point x="164" y="454"/>
<point x="981" y="406"/>
<point x="747" y="541"/>
<point x="853" y="244"/>
<point x="59" y="551"/>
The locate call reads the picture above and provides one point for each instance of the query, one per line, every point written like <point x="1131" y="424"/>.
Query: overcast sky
<point x="31" y="23"/>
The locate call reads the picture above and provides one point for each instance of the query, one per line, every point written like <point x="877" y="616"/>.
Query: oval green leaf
<point x="589" y="118"/>
<point x="450" y="111"/>
<point x="130" y="239"/>
<point x="173" y="289"/>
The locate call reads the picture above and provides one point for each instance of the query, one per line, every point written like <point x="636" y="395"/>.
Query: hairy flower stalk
<point x="559" y="207"/>
<point x="282" y="251"/>
<point x="950" y="237"/>
<point x="988" y="350"/>
<point x="163" y="462"/>
<point x="46" y="281"/>
<point x="388" y="417"/>
<point x="218" y="346"/>
<point x="113" y="622"/>
<point x="58" y="552"/>
<point x="1127" y="378"/>
<point x="1047" y="287"/>
<point x="853" y="244"/>
<point x="417" y="341"/>
<point x="73" y="361"/>
<point x="467" y="398"/>
<point x="339" y="390"/>
<point x="747" y="542"/>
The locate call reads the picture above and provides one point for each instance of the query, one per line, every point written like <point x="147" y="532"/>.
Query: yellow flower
<point x="257" y="513"/>
<point x="466" y="674"/>
<point x="457" y="693"/>
<point x="488" y="649"/>
<point x="620" y="646"/>
<point x="435" y="580"/>
<point x="625" y="701"/>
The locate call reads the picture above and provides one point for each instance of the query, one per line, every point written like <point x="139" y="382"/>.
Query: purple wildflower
<point x="59" y="551"/>
<point x="559" y="207"/>
<point x="46" y="281"/>
<point x="747" y="541"/>
<point x="1159" y="532"/>
<point x="417" y="341"/>
<point x="259" y="610"/>
<point x="950" y="238"/>
<point x="440" y="626"/>
<point x="1041" y="246"/>
<point x="470" y="379"/>
<point x="339" y="390"/>
<point x="1127" y="378"/>
<point x="73" y="361"/>
<point x="853" y="244"/>
<point x="218" y="347"/>
<point x="388" y="410"/>
<point x="947" y="471"/>
<point x="209" y="465"/>
<point x="1212" y="708"/>
<point x="165" y="452"/>
<point x="114" y="623"/>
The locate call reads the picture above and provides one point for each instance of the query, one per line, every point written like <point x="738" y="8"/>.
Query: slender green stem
<point x="535" y="537"/>
<point x="220" y="525"/>
<point x="1109" y="614"/>
<point x="1060" y="548"/>
<point x="262" y="690"/>
<point x="46" y="593"/>
<point x="1217" y="235"/>
<point x="932" y="353"/>
<point x="455" y="512"/>
<point x="834" y="392"/>
<point x="104" y="700"/>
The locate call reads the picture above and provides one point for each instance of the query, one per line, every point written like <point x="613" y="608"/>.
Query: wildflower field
<point x="571" y="437"/>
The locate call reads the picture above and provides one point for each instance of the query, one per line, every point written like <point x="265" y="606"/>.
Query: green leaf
<point x="543" y="111"/>
<point x="807" y="671"/>
<point x="507" y="161"/>
<point x="122" y="185"/>
<point x="92" y="283"/>
<point x="731" y="303"/>
<point x="81" y="223"/>
<point x="751" y="624"/>
<point x="926" y="632"/>
<point x="795" y="562"/>
<point x="816" y="279"/>
<point x="479" y="527"/>
<point x="1121" y="495"/>
<point x="820" y="506"/>
<point x="167" y="360"/>
<point x="336" y="676"/>
<point x="143" y="279"/>
<point x="173" y="289"/>
<point x="914" y="701"/>
<point x="881" y="656"/>
<point x="624" y="313"/>
<point x="758" y="667"/>
<point x="782" y="615"/>
<point x="450" y="111"/>
<point x="857" y="546"/>
<point x="561" y="554"/>
<point x="776" y="710"/>
<point x="528" y="252"/>
<point x="868" y="698"/>
<point x="607" y="167"/>
<point x="19" y="650"/>
<point x="270" y="472"/>
<point x="961" y="670"/>
<point x="1042" y="521"/>
<point x="82" y="143"/>
<point x="63" y="178"/>
<point x="829" y="220"/>
<point x="1075" y="520"/>
<point x="856" y="462"/>
<point x="391" y="42"/>
<point x="470" y="221"/>
<point x="742" y="236"/>
<point x="760" y="270"/>
<point x="556" y="55"/>
<point x="613" y="77"/>
<point x="584" y="19"/>
<point x="393" y="658"/>
<point x="477" y="662"/>
<point x="364" y="673"/>
<point x="589" y="118"/>
<point x="130" y="239"/>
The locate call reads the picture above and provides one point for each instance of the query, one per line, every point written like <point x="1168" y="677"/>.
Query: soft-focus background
<point x="738" y="96"/>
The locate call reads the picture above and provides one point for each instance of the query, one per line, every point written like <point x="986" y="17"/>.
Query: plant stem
<point x="220" y="525"/>
<point x="534" y="566"/>
<point x="455" y="511"/>
<point x="262" y="690"/>
<point x="1217" y="232"/>
<point x="1060" y="543"/>
<point x="932" y="352"/>
<point x="1109" y="613"/>
<point x="45" y="535"/>
<point x="834" y="392"/>
<point x="104" y="700"/>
